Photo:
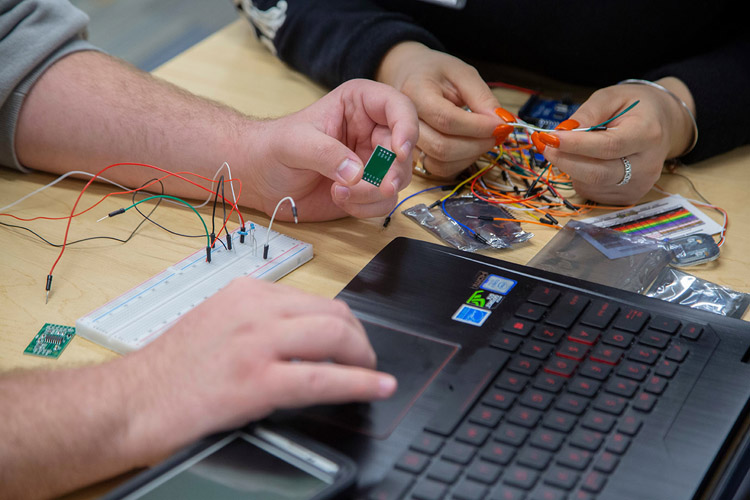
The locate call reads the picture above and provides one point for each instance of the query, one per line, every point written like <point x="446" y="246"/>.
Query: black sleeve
<point x="332" y="40"/>
<point x="720" y="84"/>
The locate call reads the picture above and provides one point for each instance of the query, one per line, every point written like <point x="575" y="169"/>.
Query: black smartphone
<point x="256" y="462"/>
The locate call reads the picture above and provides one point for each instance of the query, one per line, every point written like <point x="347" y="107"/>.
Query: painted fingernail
<point x="550" y="140"/>
<point x="501" y="133"/>
<point x="342" y="193"/>
<point x="349" y="170"/>
<point x="538" y="144"/>
<point x="568" y="124"/>
<point x="386" y="385"/>
<point x="506" y="115"/>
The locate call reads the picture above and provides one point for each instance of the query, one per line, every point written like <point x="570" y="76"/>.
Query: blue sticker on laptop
<point x="471" y="315"/>
<point x="497" y="284"/>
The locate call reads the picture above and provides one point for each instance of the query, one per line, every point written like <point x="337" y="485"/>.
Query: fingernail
<point x="538" y="144"/>
<point x="348" y="171"/>
<point x="506" y="115"/>
<point x="501" y="133"/>
<point x="386" y="385"/>
<point x="568" y="124"/>
<point x="342" y="193"/>
<point x="395" y="185"/>
<point x="406" y="148"/>
<point x="550" y="140"/>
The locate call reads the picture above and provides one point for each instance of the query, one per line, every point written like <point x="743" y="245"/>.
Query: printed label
<point x="471" y="315"/>
<point x="498" y="284"/>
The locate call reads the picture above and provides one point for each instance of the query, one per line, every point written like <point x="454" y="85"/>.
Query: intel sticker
<point x="497" y="284"/>
<point x="471" y="315"/>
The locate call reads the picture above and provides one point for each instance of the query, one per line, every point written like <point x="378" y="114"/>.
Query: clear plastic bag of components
<point x="604" y="256"/>
<point x="674" y="285"/>
<point x="467" y="211"/>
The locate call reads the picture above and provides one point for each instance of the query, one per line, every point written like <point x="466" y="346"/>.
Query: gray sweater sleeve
<point x="33" y="35"/>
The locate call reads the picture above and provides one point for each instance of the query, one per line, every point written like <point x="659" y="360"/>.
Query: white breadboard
<point x="137" y="317"/>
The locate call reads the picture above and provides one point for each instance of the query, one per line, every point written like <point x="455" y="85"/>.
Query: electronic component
<point x="546" y="113"/>
<point x="694" y="249"/>
<point x="50" y="341"/>
<point x="378" y="165"/>
<point x="137" y="317"/>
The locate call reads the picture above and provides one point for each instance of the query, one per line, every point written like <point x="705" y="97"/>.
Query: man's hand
<point x="440" y="85"/>
<point x="252" y="348"/>
<point x="654" y="130"/>
<point x="317" y="155"/>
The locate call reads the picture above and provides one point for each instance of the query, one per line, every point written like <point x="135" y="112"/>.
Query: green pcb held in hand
<point x="378" y="165"/>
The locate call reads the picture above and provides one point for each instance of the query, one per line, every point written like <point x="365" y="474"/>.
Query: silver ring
<point x="628" y="171"/>
<point x="419" y="165"/>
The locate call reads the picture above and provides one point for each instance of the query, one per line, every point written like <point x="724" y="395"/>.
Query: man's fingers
<point x="303" y="384"/>
<point x="323" y="337"/>
<point x="383" y="105"/>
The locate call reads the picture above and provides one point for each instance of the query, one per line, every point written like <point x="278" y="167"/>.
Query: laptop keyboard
<point x="563" y="389"/>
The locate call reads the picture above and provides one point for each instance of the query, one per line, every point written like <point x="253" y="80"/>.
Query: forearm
<point x="718" y="82"/>
<point x="89" y="111"/>
<point x="63" y="429"/>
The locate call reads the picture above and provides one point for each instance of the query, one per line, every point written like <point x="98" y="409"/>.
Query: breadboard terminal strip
<point x="137" y="317"/>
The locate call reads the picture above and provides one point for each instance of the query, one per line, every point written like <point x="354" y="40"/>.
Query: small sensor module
<point x="50" y="341"/>
<point x="378" y="165"/>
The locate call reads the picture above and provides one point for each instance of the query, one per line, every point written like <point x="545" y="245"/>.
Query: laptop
<point x="518" y="383"/>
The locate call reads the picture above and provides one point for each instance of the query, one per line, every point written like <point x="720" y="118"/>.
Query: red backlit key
<point x="606" y="354"/>
<point x="584" y="335"/>
<point x="572" y="350"/>
<point x="561" y="366"/>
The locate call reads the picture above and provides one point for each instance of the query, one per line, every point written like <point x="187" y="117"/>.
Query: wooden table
<point x="234" y="68"/>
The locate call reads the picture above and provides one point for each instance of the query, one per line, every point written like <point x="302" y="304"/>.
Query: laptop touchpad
<point x="414" y="360"/>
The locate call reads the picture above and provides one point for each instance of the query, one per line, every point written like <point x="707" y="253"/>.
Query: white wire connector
<point x="273" y="216"/>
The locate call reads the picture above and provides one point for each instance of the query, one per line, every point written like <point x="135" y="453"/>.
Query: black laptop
<point x="516" y="383"/>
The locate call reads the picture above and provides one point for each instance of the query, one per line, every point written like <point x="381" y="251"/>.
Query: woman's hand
<point x="657" y="128"/>
<point x="440" y="85"/>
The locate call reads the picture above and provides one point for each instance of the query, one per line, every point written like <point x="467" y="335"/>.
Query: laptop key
<point x="511" y="434"/>
<point x="599" y="313"/>
<point x="484" y="472"/>
<point x="485" y="415"/>
<point x="467" y="489"/>
<point x="606" y="462"/>
<point x="413" y="461"/>
<point x="427" y="489"/>
<point x="505" y="492"/>
<point x="427" y="443"/>
<point x="561" y="477"/>
<point x="520" y="477"/>
<point x="392" y="487"/>
<point x="499" y="398"/>
<point x="499" y="453"/>
<point x="445" y="472"/>
<point x="458" y="452"/>
<point x="534" y="458"/>
<point x="560" y="421"/>
<point x="593" y="481"/>
<point x="631" y="320"/>
<point x="545" y="492"/>
<point x="574" y="458"/>
<point x="567" y="310"/>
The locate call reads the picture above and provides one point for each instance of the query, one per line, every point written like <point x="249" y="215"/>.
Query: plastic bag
<point x="674" y="285"/>
<point x="467" y="211"/>
<point x="604" y="256"/>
